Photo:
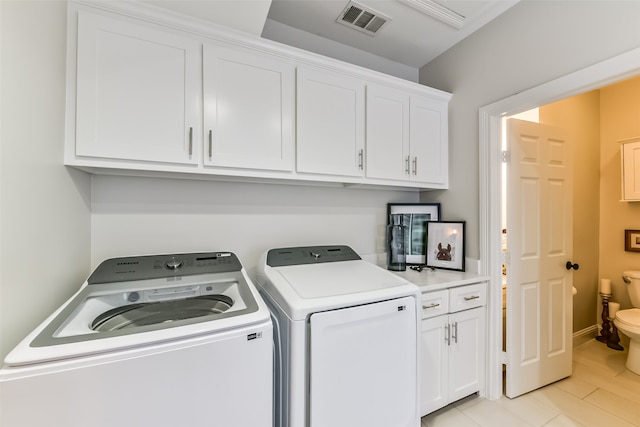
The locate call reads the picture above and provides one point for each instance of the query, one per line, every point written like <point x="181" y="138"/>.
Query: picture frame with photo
<point x="415" y="216"/>
<point x="445" y="245"/>
<point x="632" y="240"/>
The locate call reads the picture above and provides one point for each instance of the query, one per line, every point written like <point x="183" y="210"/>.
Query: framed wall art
<point x="632" y="240"/>
<point x="445" y="245"/>
<point x="415" y="217"/>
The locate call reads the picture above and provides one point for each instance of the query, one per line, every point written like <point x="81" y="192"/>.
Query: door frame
<point x="593" y="77"/>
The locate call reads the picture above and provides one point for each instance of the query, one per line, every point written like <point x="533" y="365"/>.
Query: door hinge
<point x="504" y="360"/>
<point x="506" y="257"/>
<point x="506" y="156"/>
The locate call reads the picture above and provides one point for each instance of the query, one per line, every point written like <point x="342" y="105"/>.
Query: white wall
<point x="290" y="36"/>
<point x="620" y="113"/>
<point x="136" y="216"/>
<point x="44" y="217"/>
<point x="530" y="44"/>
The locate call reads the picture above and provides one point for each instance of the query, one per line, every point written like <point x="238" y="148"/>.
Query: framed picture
<point x="632" y="240"/>
<point x="415" y="217"/>
<point x="445" y="245"/>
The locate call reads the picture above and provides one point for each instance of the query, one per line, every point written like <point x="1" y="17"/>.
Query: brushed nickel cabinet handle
<point x="415" y="166"/>
<point x="190" y="141"/>
<point x="454" y="335"/>
<point x="424" y="307"/>
<point x="447" y="334"/>
<point x="210" y="143"/>
<point x="407" y="167"/>
<point x="361" y="159"/>
<point x="471" y="298"/>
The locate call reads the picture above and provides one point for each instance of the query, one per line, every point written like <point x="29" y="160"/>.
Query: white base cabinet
<point x="453" y="345"/>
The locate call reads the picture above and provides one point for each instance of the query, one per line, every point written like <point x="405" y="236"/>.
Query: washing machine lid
<point x="301" y="282"/>
<point x="338" y="279"/>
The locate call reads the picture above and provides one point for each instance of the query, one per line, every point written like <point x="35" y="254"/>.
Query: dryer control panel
<point x="158" y="266"/>
<point x="310" y="255"/>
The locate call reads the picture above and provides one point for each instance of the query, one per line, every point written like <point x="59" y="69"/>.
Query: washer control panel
<point x="159" y="266"/>
<point x="310" y="255"/>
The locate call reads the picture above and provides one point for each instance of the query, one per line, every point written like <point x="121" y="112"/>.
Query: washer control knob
<point x="133" y="297"/>
<point x="173" y="264"/>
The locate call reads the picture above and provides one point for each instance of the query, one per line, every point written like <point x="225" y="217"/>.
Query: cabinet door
<point x="387" y="133"/>
<point x="248" y="109"/>
<point x="435" y="364"/>
<point x="429" y="141"/>
<point x="631" y="171"/>
<point x="466" y="353"/>
<point x="330" y="123"/>
<point x="138" y="92"/>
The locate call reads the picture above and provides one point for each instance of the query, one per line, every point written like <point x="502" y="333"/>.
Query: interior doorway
<point x="594" y="77"/>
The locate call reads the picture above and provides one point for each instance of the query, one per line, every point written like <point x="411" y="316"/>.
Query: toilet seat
<point x="629" y="319"/>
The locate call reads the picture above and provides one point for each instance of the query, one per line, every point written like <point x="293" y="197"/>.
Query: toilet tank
<point x="632" y="279"/>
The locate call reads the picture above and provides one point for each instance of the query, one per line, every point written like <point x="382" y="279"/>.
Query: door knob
<point x="570" y="265"/>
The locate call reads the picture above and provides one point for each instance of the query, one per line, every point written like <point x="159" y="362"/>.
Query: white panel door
<point x="138" y="92"/>
<point x="363" y="366"/>
<point x="429" y="137"/>
<point x="387" y="134"/>
<point x="330" y="123"/>
<point x="434" y="390"/>
<point x="248" y="109"/>
<point x="539" y="298"/>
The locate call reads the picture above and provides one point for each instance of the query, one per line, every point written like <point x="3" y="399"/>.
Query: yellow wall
<point x="580" y="115"/>
<point x="597" y="120"/>
<point x="620" y="120"/>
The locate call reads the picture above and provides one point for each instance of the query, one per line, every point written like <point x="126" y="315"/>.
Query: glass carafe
<point x="396" y="250"/>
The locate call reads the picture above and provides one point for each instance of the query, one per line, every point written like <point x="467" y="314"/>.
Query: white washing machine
<point x="347" y="339"/>
<point x="166" y="340"/>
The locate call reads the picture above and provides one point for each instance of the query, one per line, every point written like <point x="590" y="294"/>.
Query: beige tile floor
<point x="599" y="393"/>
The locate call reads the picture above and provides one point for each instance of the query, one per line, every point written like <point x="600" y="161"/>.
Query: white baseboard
<point x="584" y="335"/>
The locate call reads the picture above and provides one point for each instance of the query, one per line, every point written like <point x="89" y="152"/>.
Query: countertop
<point x="429" y="280"/>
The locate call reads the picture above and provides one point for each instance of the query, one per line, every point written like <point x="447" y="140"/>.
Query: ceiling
<point x="416" y="32"/>
<point x="413" y="36"/>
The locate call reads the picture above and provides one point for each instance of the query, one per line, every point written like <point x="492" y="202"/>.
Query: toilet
<point x="628" y="321"/>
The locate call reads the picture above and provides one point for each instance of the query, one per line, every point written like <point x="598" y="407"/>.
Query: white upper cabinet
<point x="630" y="154"/>
<point x="153" y="93"/>
<point x="138" y="92"/>
<point x="388" y="152"/>
<point x="406" y="137"/>
<point x="330" y="123"/>
<point x="248" y="109"/>
<point x="429" y="136"/>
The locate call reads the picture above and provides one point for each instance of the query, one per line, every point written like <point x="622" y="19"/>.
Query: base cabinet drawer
<point x="435" y="303"/>
<point x="466" y="297"/>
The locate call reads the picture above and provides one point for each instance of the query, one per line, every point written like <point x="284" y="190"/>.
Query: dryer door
<point x="363" y="366"/>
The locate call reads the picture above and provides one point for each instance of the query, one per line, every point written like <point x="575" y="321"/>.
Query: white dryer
<point x="347" y="339"/>
<point x="163" y="340"/>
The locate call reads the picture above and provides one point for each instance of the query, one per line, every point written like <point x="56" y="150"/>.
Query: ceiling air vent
<point x="362" y="18"/>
